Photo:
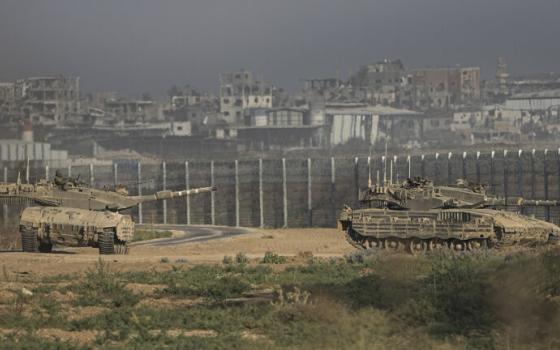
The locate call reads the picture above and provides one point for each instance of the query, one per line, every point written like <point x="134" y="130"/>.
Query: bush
<point x="227" y="260"/>
<point x="241" y="258"/>
<point x="102" y="286"/>
<point x="273" y="258"/>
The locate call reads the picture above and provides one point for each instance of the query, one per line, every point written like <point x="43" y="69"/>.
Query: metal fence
<point x="309" y="192"/>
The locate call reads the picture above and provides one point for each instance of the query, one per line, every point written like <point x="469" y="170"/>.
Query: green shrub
<point x="241" y="258"/>
<point x="227" y="260"/>
<point x="273" y="258"/>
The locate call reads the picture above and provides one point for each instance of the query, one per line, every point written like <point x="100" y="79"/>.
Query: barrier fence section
<point x="306" y="192"/>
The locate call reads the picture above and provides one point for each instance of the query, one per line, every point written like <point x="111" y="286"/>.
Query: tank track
<point x="415" y="245"/>
<point x="108" y="244"/>
<point x="29" y="241"/>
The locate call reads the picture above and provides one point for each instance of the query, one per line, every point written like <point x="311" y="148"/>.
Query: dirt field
<point x="287" y="242"/>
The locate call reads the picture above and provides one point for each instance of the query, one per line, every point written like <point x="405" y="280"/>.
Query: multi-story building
<point x="9" y="113"/>
<point x="133" y="111"/>
<point x="381" y="81"/>
<point x="50" y="100"/>
<point x="240" y="91"/>
<point x="443" y="87"/>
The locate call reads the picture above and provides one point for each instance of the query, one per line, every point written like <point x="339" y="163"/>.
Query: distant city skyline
<point x="137" y="46"/>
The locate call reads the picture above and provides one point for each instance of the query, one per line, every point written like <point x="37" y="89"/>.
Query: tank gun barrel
<point x="521" y="202"/>
<point x="166" y="194"/>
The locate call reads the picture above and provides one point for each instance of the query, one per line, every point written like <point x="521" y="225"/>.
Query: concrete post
<point x="284" y="193"/>
<point x="164" y="175"/>
<point x="369" y="170"/>
<point x="69" y="171"/>
<point x="506" y="179"/>
<point x="261" y="193"/>
<point x="5" y="206"/>
<point x="46" y="172"/>
<point x="384" y="166"/>
<point x="492" y="184"/>
<point x="115" y="174"/>
<point x="188" y="197"/>
<point x="333" y="188"/>
<point x="422" y="166"/>
<point x="545" y="175"/>
<point x="91" y="174"/>
<point x="520" y="173"/>
<point x="409" y="162"/>
<point x="477" y="165"/>
<point x="139" y="184"/>
<point x="357" y="181"/>
<point x="464" y="165"/>
<point x="236" y="193"/>
<point x="449" y="169"/>
<point x="309" y="193"/>
<point x="436" y="169"/>
<point x="533" y="175"/>
<point x="558" y="167"/>
<point x="212" y="195"/>
<point x="394" y="164"/>
<point x="27" y="171"/>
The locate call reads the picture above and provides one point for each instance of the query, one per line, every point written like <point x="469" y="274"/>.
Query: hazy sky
<point x="134" y="46"/>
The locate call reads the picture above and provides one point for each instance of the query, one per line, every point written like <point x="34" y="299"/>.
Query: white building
<point x="542" y="100"/>
<point x="372" y="124"/>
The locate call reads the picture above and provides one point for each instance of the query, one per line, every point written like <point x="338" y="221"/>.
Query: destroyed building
<point x="242" y="90"/>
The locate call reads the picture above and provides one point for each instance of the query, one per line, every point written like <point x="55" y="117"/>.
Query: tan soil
<point x="169" y="303"/>
<point x="28" y="267"/>
<point x="144" y="289"/>
<point x="82" y="312"/>
<point x="81" y="337"/>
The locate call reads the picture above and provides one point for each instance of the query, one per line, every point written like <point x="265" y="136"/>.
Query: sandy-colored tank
<point x="41" y="227"/>
<point x="418" y="216"/>
<point x="70" y="213"/>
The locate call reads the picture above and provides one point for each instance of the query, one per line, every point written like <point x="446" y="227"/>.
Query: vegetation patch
<point x="469" y="301"/>
<point x="145" y="235"/>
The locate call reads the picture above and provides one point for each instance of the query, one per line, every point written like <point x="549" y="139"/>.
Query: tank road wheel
<point x="477" y="244"/>
<point x="121" y="247"/>
<point x="373" y="243"/>
<point x="436" y="244"/>
<point x="416" y="245"/>
<point x="458" y="245"/>
<point x="392" y="244"/>
<point x="29" y="241"/>
<point x="106" y="242"/>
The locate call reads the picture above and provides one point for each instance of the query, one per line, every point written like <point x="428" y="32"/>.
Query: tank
<point x="69" y="213"/>
<point x="417" y="216"/>
<point x="41" y="227"/>
<point x="65" y="192"/>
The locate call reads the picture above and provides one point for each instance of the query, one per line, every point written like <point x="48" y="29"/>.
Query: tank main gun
<point x="76" y="195"/>
<point x="162" y="195"/>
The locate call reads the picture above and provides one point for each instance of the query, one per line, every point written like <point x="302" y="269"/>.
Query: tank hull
<point x="458" y="229"/>
<point x="45" y="226"/>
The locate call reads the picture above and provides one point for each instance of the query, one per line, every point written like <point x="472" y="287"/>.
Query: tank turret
<point x="72" y="193"/>
<point x="421" y="194"/>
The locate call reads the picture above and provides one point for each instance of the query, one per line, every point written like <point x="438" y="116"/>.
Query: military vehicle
<point x="41" y="227"/>
<point x="418" y="216"/>
<point x="72" y="214"/>
<point x="63" y="192"/>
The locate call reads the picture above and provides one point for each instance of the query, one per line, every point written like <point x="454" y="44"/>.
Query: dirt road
<point x="201" y="245"/>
